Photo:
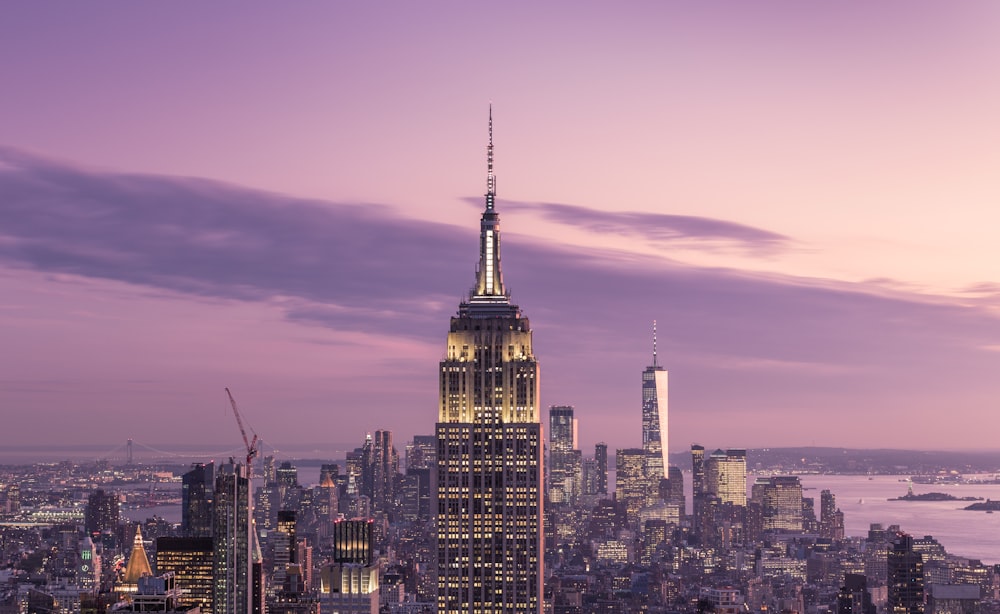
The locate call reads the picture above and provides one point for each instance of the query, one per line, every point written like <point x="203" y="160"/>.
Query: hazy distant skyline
<point x="285" y="201"/>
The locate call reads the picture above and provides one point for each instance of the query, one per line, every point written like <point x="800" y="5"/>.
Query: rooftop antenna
<point x="491" y="181"/>
<point x="654" y="343"/>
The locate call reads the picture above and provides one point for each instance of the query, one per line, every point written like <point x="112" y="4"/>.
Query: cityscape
<point x="499" y="510"/>
<point x="236" y="286"/>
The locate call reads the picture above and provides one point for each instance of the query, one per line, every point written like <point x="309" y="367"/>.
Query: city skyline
<point x="283" y="202"/>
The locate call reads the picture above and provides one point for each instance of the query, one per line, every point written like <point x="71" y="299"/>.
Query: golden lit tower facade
<point x="489" y="475"/>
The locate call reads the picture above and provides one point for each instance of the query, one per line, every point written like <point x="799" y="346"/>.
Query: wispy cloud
<point x="658" y="228"/>
<point x="735" y="339"/>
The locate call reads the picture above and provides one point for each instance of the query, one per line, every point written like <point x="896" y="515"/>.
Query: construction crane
<point x="250" y="444"/>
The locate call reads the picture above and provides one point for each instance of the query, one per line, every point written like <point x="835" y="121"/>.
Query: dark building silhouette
<point x="854" y="597"/>
<point x="601" y="460"/>
<point x="905" y="577"/>
<point x="102" y="512"/>
<point x="198" y="484"/>
<point x="353" y="541"/>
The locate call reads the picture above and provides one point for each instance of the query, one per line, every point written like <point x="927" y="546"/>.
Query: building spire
<point x="654" y="343"/>
<point x="489" y="280"/>
<point x="491" y="181"/>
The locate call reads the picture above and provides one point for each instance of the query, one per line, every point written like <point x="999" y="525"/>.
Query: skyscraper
<point x="780" y="500"/>
<point x="231" y="531"/>
<point x="562" y="442"/>
<point x="489" y="475"/>
<point x="380" y="470"/>
<point x="350" y="584"/>
<point x="196" y="500"/>
<point x="905" y="577"/>
<point x="101" y="513"/>
<point x="190" y="560"/>
<point x="601" y="460"/>
<point x="726" y="476"/>
<point x="654" y="419"/>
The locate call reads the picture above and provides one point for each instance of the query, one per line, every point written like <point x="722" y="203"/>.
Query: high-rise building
<point x="282" y="543"/>
<point x="631" y="486"/>
<point x="380" y="471"/>
<point x="562" y="442"/>
<point x="350" y="584"/>
<point x="726" y="476"/>
<point x="905" y="577"/>
<point x="190" y="560"/>
<point x="289" y="491"/>
<point x="698" y="492"/>
<point x="831" y="519"/>
<point x="489" y="475"/>
<point x="102" y="512"/>
<point x="196" y="500"/>
<point x="421" y="453"/>
<point x="780" y="499"/>
<point x="231" y="562"/>
<point x="89" y="565"/>
<point x="601" y="460"/>
<point x="654" y="419"/>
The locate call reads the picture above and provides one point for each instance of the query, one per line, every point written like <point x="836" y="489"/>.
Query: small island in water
<point x="938" y="496"/>
<point x="985" y="506"/>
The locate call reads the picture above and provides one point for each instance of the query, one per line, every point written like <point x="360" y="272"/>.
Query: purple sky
<point x="285" y="200"/>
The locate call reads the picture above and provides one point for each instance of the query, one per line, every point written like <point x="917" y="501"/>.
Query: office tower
<point x="101" y="514"/>
<point x="350" y="584"/>
<point x="780" y="498"/>
<point x="257" y="582"/>
<point x="270" y="473"/>
<point x="854" y="597"/>
<point x="726" y="476"/>
<point x="380" y="471"/>
<point x="89" y="570"/>
<point x="697" y="471"/>
<point x="421" y="453"/>
<point x="601" y="460"/>
<point x="196" y="500"/>
<point x="562" y="442"/>
<point x="905" y="577"/>
<point x="267" y="502"/>
<point x="698" y="492"/>
<point x="289" y="492"/>
<point x="489" y="475"/>
<point x="831" y="519"/>
<point x="415" y="494"/>
<point x="282" y="543"/>
<point x="631" y="487"/>
<point x="654" y="419"/>
<point x="672" y="489"/>
<point x="190" y="560"/>
<point x="231" y="530"/>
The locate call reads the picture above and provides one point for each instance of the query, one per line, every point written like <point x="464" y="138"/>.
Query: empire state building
<point x="489" y="475"/>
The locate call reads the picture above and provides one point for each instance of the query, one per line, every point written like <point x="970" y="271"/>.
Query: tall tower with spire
<point x="654" y="419"/>
<point x="489" y="477"/>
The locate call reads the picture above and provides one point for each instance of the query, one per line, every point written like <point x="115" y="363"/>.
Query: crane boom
<point x="251" y="445"/>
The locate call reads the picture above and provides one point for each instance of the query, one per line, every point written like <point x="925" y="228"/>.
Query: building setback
<point x="488" y="492"/>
